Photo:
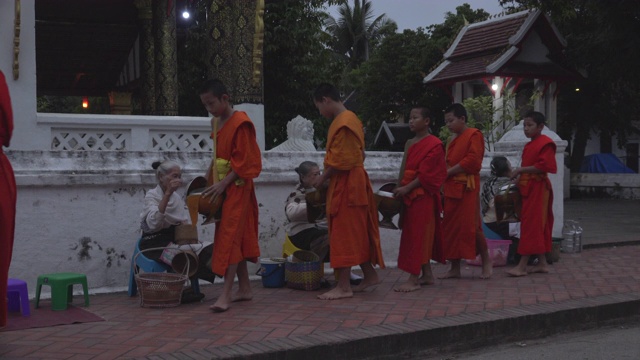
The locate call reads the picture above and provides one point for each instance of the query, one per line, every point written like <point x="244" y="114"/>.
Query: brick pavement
<point x="583" y="289"/>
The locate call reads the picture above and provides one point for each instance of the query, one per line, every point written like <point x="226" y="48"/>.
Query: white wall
<point x="79" y="211"/>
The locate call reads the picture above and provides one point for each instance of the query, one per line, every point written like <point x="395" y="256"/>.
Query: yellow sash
<point x="467" y="179"/>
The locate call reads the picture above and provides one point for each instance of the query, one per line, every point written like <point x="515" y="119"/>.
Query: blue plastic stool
<point x="18" y="295"/>
<point x="150" y="265"/>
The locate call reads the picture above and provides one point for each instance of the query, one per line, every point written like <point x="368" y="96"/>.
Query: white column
<point x="551" y="107"/>
<point x="457" y="93"/>
<point x="497" y="98"/>
<point x="26" y="134"/>
<point x="256" y="114"/>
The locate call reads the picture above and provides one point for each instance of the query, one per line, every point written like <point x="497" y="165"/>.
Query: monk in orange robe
<point x="423" y="173"/>
<point x="352" y="214"/>
<point x="7" y="197"/>
<point x="237" y="162"/>
<point x="538" y="159"/>
<point x="462" y="225"/>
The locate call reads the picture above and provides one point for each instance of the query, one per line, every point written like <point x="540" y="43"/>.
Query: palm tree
<point x="355" y="30"/>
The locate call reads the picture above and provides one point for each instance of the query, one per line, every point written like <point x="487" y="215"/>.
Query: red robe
<point x="236" y="235"/>
<point x="421" y="238"/>
<point x="352" y="214"/>
<point x="537" y="197"/>
<point x="7" y="197"/>
<point x="461" y="221"/>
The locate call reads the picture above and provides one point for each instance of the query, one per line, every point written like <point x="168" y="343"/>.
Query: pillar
<point x="147" y="57"/>
<point x="166" y="62"/>
<point x="235" y="53"/>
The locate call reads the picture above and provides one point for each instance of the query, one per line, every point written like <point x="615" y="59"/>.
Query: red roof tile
<point x="488" y="43"/>
<point x="493" y="35"/>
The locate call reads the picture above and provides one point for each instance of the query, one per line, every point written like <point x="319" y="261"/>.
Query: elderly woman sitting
<point x="165" y="209"/>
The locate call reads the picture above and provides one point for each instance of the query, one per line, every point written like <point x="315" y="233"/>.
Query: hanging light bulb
<point x="186" y="14"/>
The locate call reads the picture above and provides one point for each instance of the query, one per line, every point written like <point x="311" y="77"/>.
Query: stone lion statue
<point x="299" y="136"/>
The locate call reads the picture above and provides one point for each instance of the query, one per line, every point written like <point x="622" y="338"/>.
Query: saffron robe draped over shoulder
<point x="537" y="197"/>
<point x="421" y="238"/>
<point x="8" y="196"/>
<point x="462" y="195"/>
<point x="352" y="214"/>
<point x="236" y="235"/>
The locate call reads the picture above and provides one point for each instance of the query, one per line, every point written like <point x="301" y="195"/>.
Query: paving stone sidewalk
<point x="595" y="286"/>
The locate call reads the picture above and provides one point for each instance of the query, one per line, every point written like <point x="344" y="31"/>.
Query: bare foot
<point x="221" y="305"/>
<point x="336" y="293"/>
<point x="451" y="274"/>
<point x="407" y="287"/>
<point x="371" y="280"/>
<point x="515" y="272"/>
<point x="539" y="269"/>
<point x="426" y="280"/>
<point x="244" y="296"/>
<point x="487" y="270"/>
<point x="218" y="309"/>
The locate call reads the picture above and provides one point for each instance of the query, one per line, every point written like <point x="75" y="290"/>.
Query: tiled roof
<point x="490" y="36"/>
<point x="470" y="66"/>
<point x="490" y="48"/>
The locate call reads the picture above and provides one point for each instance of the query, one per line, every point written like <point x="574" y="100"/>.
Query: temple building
<point x="520" y="53"/>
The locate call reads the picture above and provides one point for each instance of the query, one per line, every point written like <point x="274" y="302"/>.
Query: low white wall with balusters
<point x="79" y="211"/>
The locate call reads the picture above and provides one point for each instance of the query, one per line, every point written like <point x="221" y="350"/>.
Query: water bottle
<point x="568" y="233"/>
<point x="577" y="239"/>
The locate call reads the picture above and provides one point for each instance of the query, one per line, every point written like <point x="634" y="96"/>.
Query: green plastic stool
<point x="62" y="288"/>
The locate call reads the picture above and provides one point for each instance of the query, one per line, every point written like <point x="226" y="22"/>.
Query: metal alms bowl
<point x="388" y="206"/>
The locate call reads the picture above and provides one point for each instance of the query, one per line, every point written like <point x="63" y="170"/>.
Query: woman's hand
<point x="173" y="185"/>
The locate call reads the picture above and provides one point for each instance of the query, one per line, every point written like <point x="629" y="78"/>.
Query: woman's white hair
<point x="163" y="168"/>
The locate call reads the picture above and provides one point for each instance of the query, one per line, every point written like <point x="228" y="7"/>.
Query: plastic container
<point x="272" y="272"/>
<point x="572" y="233"/>
<point x="498" y="253"/>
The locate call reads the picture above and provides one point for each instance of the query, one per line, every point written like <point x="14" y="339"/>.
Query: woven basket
<point x="305" y="272"/>
<point x="159" y="289"/>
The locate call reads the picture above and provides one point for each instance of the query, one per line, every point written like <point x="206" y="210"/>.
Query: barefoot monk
<point x="352" y="214"/>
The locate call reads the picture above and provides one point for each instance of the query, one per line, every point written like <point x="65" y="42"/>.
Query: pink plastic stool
<point x="18" y="296"/>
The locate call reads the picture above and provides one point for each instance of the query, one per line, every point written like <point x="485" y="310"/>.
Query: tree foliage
<point x="356" y="30"/>
<point x="296" y="60"/>
<point x="390" y="83"/>
<point x="602" y="43"/>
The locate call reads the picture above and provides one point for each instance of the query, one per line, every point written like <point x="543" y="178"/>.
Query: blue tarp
<point x="604" y="163"/>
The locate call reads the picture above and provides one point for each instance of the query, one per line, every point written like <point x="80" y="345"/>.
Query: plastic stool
<point x="287" y="247"/>
<point x="18" y="295"/>
<point x="61" y="288"/>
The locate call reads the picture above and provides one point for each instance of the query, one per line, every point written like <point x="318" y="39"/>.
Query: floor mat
<point x="45" y="317"/>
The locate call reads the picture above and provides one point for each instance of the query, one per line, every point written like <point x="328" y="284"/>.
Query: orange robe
<point x="352" y="214"/>
<point x="421" y="238"/>
<point x="537" y="197"/>
<point x="7" y="197"/>
<point x="236" y="235"/>
<point x="461" y="221"/>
